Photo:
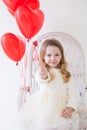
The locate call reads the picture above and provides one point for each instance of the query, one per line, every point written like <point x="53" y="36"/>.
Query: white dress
<point x="44" y="106"/>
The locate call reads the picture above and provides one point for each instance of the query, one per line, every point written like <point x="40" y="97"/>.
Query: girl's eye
<point x="49" y="55"/>
<point x="56" y="54"/>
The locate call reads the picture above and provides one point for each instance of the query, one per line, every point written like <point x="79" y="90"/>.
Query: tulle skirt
<point x="43" y="110"/>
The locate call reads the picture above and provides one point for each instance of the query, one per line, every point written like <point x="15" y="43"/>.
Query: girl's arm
<point x="72" y="99"/>
<point x="42" y="73"/>
<point x="72" y="94"/>
<point x="42" y="70"/>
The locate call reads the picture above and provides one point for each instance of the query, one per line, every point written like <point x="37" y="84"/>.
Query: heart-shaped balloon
<point x="29" y="21"/>
<point x="13" y="46"/>
<point x="14" y="4"/>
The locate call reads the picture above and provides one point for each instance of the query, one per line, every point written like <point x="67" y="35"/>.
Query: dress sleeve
<point x="72" y="94"/>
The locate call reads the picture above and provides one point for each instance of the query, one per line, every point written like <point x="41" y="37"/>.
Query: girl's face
<point x="52" y="56"/>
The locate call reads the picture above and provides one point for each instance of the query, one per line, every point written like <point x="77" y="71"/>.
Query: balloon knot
<point x="17" y="63"/>
<point x="27" y="40"/>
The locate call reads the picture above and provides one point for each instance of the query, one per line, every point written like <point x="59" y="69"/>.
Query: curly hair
<point x="62" y="66"/>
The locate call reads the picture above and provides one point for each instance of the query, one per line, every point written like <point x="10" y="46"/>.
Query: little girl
<point x="54" y="105"/>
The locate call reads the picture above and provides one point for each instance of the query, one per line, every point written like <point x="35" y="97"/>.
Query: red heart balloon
<point x="29" y="21"/>
<point x="14" y="4"/>
<point x="13" y="47"/>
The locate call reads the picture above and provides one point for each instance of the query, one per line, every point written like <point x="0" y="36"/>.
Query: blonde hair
<point x="62" y="66"/>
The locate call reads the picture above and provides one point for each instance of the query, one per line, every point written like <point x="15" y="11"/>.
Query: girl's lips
<point x="52" y="62"/>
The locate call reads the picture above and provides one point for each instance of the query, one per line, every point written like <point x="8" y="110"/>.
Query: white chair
<point x="74" y="56"/>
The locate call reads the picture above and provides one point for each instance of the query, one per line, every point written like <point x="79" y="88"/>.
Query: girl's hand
<point x="67" y="112"/>
<point x="43" y="71"/>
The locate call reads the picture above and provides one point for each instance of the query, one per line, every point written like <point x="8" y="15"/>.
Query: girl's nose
<point x="52" y="57"/>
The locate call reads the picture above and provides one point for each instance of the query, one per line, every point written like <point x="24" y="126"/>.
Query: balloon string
<point x="23" y="67"/>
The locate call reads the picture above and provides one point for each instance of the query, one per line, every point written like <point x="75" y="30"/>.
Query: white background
<point x="69" y="16"/>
